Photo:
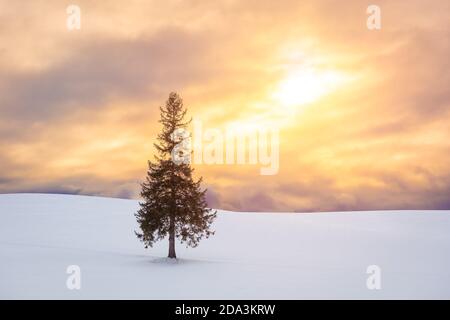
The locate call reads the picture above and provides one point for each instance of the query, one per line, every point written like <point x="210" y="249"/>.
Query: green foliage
<point x="174" y="203"/>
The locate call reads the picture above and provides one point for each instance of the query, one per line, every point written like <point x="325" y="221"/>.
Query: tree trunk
<point x="172" y="239"/>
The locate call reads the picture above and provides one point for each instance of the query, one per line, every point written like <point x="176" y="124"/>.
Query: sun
<point x="306" y="85"/>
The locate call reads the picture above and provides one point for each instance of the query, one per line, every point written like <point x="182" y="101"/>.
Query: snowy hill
<point x="252" y="255"/>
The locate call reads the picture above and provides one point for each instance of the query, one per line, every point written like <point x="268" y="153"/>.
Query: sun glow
<point x="306" y="85"/>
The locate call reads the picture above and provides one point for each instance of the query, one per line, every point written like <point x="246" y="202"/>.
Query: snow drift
<point x="252" y="255"/>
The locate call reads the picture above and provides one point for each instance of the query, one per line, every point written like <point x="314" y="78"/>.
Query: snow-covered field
<point x="252" y="255"/>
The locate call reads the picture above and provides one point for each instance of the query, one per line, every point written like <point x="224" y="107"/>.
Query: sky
<point x="363" y="115"/>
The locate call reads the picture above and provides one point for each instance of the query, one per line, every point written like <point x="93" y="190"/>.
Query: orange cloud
<point x="364" y="115"/>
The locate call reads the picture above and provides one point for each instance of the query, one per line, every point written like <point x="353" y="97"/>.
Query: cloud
<point x="101" y="70"/>
<point x="74" y="184"/>
<point x="78" y="111"/>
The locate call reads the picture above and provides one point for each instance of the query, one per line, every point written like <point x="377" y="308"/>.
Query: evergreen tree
<point x="174" y="203"/>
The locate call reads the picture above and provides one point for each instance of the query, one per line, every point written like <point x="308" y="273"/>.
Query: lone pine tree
<point x="174" y="203"/>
